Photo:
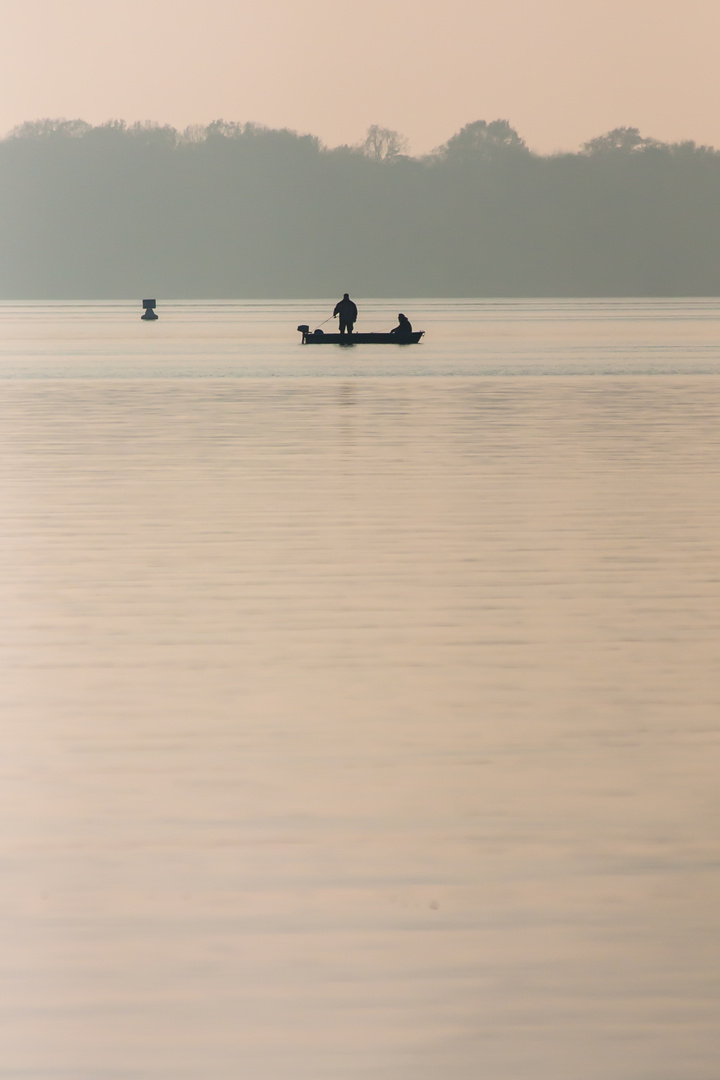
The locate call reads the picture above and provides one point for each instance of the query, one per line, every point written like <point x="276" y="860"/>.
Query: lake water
<point x="360" y="707"/>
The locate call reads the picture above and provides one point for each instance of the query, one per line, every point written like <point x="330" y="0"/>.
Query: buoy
<point x="149" y="306"/>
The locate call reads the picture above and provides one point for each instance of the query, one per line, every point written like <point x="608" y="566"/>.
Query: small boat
<point x="319" y="337"/>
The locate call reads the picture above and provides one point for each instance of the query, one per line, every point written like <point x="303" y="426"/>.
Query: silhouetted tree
<point x="480" y="140"/>
<point x="383" y="144"/>
<point x="49" y="127"/>
<point x="623" y="139"/>
<point x="223" y="129"/>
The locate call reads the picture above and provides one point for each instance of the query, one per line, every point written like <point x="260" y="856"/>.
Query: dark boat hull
<point x="362" y="339"/>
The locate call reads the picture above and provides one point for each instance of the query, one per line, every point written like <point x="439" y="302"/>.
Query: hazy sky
<point x="562" y="71"/>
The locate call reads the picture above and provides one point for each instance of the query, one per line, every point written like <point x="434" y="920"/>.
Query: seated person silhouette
<point x="347" y="312"/>
<point x="404" y="327"/>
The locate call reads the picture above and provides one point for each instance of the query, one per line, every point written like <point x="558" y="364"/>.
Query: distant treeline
<point x="237" y="210"/>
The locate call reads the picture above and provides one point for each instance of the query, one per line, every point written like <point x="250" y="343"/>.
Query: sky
<point x="561" y="71"/>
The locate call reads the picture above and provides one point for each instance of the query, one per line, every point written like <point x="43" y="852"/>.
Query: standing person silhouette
<point x="347" y="312"/>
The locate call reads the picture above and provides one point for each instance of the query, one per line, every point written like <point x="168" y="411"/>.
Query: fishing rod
<point x="335" y="317"/>
<point x="364" y="331"/>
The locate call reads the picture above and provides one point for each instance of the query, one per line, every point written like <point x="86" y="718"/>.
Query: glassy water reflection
<point x="358" y="726"/>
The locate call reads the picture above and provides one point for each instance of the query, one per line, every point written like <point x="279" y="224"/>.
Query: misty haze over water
<point x="360" y="705"/>
<point x="236" y="210"/>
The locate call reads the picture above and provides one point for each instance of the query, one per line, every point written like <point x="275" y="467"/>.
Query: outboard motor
<point x="304" y="330"/>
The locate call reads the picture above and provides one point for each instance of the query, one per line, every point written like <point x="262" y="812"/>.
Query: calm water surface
<point x="360" y="708"/>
